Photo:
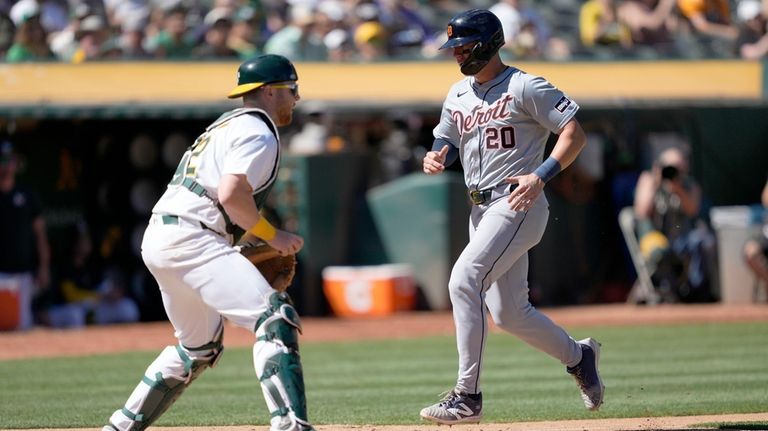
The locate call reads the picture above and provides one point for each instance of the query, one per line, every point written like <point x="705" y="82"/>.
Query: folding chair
<point x="643" y="290"/>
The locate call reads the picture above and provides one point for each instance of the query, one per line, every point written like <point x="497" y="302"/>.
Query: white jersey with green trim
<point x="236" y="143"/>
<point x="501" y="126"/>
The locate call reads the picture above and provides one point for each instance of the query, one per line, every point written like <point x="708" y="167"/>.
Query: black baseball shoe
<point x="455" y="407"/>
<point x="587" y="375"/>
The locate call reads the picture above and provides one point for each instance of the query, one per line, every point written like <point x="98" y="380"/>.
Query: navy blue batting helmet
<point x="476" y="25"/>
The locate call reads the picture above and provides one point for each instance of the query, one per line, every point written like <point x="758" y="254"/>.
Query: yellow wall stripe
<point x="413" y="82"/>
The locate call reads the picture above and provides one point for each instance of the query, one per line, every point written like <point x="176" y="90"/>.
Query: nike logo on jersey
<point x="480" y="117"/>
<point x="461" y="93"/>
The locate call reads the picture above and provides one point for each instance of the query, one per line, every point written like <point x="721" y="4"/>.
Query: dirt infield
<point x="686" y="423"/>
<point x="151" y="336"/>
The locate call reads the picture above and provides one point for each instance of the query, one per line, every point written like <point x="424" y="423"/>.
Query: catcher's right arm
<point x="278" y="270"/>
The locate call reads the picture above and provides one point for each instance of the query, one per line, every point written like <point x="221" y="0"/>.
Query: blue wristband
<point x="547" y="170"/>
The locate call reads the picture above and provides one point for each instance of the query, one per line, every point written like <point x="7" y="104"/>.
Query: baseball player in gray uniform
<point x="497" y="121"/>
<point x="219" y="185"/>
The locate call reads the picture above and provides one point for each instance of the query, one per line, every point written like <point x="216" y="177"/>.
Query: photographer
<point x="677" y="245"/>
<point x="756" y="248"/>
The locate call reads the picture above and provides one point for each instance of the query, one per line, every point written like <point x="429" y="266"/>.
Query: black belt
<point x="480" y="197"/>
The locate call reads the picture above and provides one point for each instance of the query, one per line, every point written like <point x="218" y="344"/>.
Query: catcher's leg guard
<point x="164" y="381"/>
<point x="278" y="365"/>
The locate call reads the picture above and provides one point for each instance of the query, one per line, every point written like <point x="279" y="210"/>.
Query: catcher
<point x="218" y="189"/>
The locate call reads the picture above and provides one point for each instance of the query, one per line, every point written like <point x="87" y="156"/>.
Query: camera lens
<point x="669" y="172"/>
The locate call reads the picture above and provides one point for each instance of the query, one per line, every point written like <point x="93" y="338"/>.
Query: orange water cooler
<point x="369" y="290"/>
<point x="9" y="304"/>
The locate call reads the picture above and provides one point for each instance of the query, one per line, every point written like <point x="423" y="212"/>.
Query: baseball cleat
<point x="587" y="374"/>
<point x="289" y="423"/>
<point x="455" y="407"/>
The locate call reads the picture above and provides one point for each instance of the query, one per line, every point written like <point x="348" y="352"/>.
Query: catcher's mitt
<point x="277" y="270"/>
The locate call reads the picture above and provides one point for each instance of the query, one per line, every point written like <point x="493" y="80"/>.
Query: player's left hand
<point x="528" y="189"/>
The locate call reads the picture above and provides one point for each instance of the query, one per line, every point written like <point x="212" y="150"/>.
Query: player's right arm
<point x="235" y="195"/>
<point x="443" y="154"/>
<point x="570" y="142"/>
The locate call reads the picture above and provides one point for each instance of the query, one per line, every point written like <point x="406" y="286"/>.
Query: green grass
<point x="649" y="371"/>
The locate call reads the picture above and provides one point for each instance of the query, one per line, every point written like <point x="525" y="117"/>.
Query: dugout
<point x="105" y="155"/>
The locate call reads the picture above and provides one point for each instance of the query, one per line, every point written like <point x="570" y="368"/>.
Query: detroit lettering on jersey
<point x="480" y="117"/>
<point x="501" y="126"/>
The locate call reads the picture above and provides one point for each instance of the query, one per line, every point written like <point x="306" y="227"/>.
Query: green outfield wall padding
<point x="422" y="221"/>
<point x="314" y="196"/>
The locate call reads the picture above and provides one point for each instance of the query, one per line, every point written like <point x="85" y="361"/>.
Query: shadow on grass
<point x="744" y="426"/>
<point x="727" y="426"/>
<point x="739" y="427"/>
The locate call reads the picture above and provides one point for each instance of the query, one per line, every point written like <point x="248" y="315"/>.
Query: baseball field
<point x="665" y="368"/>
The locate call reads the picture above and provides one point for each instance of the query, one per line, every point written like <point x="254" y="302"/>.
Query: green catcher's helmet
<point x="261" y="70"/>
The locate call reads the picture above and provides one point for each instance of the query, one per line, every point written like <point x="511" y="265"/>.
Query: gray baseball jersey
<point x="501" y="128"/>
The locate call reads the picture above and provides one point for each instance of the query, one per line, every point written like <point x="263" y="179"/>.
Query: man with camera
<point x="677" y="245"/>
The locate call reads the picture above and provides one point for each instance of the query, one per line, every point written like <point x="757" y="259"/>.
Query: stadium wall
<point x="159" y="83"/>
<point x="99" y="140"/>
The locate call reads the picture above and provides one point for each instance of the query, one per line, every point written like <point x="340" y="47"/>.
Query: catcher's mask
<point x="476" y="25"/>
<point x="261" y="70"/>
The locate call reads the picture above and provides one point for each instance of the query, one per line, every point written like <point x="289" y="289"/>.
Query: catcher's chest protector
<point x="262" y="192"/>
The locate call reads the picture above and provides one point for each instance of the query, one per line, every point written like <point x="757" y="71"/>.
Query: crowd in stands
<point x="76" y="31"/>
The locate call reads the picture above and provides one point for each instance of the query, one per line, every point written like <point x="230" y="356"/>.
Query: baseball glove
<point x="277" y="270"/>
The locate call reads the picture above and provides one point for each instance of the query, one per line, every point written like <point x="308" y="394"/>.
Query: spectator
<point x="526" y="33"/>
<point x="25" y="255"/>
<point x="119" y="12"/>
<point x="30" y="41"/>
<point x="172" y="41"/>
<point x="243" y="37"/>
<point x="599" y="25"/>
<point x="710" y="21"/>
<point x="7" y="30"/>
<point x="54" y="15"/>
<point x="651" y="23"/>
<point x="371" y="41"/>
<point x="276" y="17"/>
<point x="132" y="38"/>
<point x="756" y="249"/>
<point x="81" y="294"/>
<point x="752" y="42"/>
<point x="337" y="39"/>
<point x="405" y="23"/>
<point x="297" y="40"/>
<point x="64" y="42"/>
<point x="673" y="238"/>
<point x="218" y="23"/>
<point x="508" y="12"/>
<point x="90" y="37"/>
